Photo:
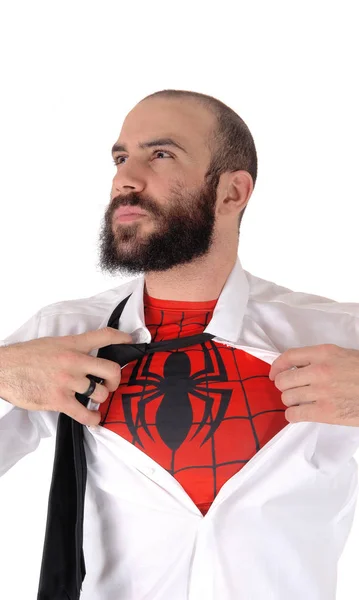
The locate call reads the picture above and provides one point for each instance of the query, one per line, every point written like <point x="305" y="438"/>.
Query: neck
<point x="201" y="280"/>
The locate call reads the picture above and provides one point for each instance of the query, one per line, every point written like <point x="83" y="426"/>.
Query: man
<point x="224" y="469"/>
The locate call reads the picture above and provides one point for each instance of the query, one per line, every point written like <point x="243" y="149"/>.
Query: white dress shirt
<point x="275" y="530"/>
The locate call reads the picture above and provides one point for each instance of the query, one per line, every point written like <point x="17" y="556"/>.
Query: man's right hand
<point x="45" y="373"/>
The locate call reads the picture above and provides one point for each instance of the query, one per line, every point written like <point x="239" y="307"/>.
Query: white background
<point x="71" y="71"/>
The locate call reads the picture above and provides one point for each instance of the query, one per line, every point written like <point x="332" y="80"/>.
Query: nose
<point x="129" y="177"/>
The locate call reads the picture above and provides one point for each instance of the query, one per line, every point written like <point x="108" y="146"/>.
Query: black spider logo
<point x="174" y="416"/>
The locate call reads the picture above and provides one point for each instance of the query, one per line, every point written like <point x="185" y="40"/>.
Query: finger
<point x="91" y="340"/>
<point x="108" y="370"/>
<point x="295" y="378"/>
<point x="301" y="357"/>
<point x="288" y="360"/>
<point x="100" y="393"/>
<point x="80" y="413"/>
<point x="300" y="395"/>
<point x="308" y="412"/>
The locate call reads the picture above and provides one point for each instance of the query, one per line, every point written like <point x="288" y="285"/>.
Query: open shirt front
<point x="275" y="528"/>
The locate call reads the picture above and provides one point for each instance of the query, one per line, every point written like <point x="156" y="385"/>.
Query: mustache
<point x="130" y="200"/>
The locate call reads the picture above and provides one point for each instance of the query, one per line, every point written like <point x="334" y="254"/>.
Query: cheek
<point x="183" y="185"/>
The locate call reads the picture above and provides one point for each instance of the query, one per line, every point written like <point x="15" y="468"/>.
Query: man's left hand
<point x="325" y="389"/>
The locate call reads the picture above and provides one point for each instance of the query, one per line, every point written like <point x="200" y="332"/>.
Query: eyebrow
<point x="158" y="142"/>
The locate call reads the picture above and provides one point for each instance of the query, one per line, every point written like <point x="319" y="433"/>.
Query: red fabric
<point x="172" y="388"/>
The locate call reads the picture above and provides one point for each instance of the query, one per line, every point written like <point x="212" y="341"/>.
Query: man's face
<point x="164" y="181"/>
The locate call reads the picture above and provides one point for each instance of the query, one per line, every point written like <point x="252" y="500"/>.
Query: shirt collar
<point x="227" y="318"/>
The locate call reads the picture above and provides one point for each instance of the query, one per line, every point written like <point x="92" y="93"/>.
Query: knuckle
<point x="328" y="347"/>
<point x="323" y="371"/>
<point x="102" y="393"/>
<point x="279" y="381"/>
<point x="117" y="370"/>
<point x="286" y="399"/>
<point x="64" y="378"/>
<point x="68" y="357"/>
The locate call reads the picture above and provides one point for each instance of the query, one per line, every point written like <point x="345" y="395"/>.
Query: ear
<point x="234" y="191"/>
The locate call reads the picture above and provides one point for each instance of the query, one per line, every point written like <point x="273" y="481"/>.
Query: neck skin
<point x="199" y="281"/>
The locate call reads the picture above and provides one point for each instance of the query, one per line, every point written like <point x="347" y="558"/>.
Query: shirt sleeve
<point x="21" y="430"/>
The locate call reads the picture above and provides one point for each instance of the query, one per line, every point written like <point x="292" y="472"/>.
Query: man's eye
<point x="116" y="161"/>
<point x="118" y="158"/>
<point x="162" y="152"/>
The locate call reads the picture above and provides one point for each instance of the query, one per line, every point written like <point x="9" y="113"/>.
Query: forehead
<point x="187" y="122"/>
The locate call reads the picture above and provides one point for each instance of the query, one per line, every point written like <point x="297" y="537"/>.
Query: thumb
<point x="91" y="340"/>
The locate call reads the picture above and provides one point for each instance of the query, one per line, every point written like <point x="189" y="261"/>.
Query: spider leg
<point x="207" y="411"/>
<point x="135" y="380"/>
<point x="226" y="396"/>
<point x="209" y="367"/>
<point x="126" y="405"/>
<point x="145" y="370"/>
<point x="146" y="367"/>
<point x="141" y="411"/>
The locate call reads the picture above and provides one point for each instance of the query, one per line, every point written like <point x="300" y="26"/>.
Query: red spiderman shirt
<point x="201" y="412"/>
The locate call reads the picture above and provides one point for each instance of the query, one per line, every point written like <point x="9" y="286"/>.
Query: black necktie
<point x="63" y="566"/>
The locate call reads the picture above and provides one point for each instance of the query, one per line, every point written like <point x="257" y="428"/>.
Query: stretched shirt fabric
<point x="269" y="528"/>
<point x="201" y="412"/>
